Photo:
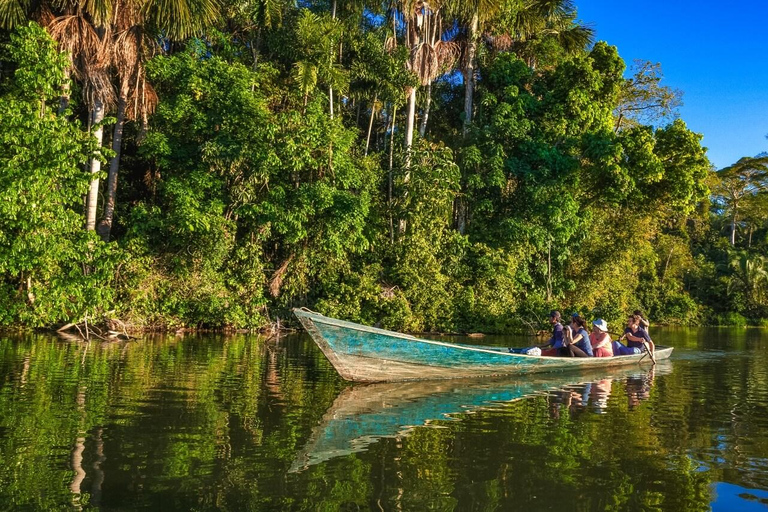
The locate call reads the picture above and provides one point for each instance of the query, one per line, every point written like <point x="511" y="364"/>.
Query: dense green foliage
<point x="275" y="170"/>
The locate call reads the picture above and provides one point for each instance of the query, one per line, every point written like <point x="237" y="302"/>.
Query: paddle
<point x="645" y="344"/>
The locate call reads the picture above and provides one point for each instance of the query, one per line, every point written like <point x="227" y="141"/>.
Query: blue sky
<point x="717" y="54"/>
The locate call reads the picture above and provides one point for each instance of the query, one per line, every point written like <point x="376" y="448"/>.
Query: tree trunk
<point x="423" y="126"/>
<point x="91" y="203"/>
<point x="390" y="177"/>
<point x="733" y="229"/>
<point x="460" y="214"/>
<point x="105" y="226"/>
<point x="410" y="121"/>
<point x="255" y="48"/>
<point x="549" y="272"/>
<point x="330" y="89"/>
<point x="469" y="74"/>
<point x="370" y="123"/>
<point x="65" y="92"/>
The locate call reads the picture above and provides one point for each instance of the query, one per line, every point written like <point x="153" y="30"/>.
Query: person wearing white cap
<point x="600" y="339"/>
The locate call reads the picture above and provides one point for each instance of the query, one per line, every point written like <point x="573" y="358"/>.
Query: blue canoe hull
<point x="367" y="354"/>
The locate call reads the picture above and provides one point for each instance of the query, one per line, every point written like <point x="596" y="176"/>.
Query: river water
<point x="242" y="423"/>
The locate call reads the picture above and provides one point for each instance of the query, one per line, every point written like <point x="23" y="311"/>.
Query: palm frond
<point x="13" y="12"/>
<point x="305" y="74"/>
<point x="180" y="19"/>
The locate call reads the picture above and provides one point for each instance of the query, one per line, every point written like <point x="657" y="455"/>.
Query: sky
<point x="716" y="53"/>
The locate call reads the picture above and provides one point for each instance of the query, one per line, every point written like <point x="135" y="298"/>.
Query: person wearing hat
<point x="600" y="339"/>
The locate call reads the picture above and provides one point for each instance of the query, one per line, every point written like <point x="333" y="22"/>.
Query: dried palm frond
<point x="390" y="45"/>
<point x="44" y="16"/>
<point x="97" y="87"/>
<point x="77" y="36"/>
<point x="142" y="99"/>
<point x="424" y="63"/>
<point x="500" y="43"/>
<point x="447" y="53"/>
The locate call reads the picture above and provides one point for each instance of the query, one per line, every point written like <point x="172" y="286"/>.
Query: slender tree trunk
<point x="423" y="126"/>
<point x="390" y="176"/>
<point x="65" y="92"/>
<point x="105" y="226"/>
<point x="410" y="121"/>
<point x="549" y="272"/>
<point x="618" y="122"/>
<point x="469" y="74"/>
<point x="733" y="230"/>
<point x="330" y="89"/>
<point x="666" y="265"/>
<point x="370" y="123"/>
<point x="91" y="204"/>
<point x="357" y="106"/>
<point x="460" y="208"/>
<point x="255" y="48"/>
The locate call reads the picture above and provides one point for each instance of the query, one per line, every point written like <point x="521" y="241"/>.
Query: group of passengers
<point x="573" y="339"/>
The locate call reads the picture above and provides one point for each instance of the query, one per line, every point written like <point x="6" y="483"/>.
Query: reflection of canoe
<point x="364" y="413"/>
<point x="368" y="354"/>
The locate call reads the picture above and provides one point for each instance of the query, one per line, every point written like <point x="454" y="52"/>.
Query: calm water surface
<point x="240" y="423"/>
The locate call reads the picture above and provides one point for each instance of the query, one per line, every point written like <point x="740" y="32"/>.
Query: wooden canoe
<point x="368" y="354"/>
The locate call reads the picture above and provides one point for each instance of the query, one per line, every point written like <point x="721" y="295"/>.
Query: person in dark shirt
<point x="637" y="337"/>
<point x="557" y="341"/>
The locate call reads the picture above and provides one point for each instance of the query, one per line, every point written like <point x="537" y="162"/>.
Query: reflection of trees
<point x="215" y="422"/>
<point x="154" y="416"/>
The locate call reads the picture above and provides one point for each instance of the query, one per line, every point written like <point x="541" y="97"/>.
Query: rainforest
<point x="445" y="166"/>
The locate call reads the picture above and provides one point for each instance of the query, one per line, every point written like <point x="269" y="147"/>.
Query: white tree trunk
<point x="410" y="121"/>
<point x="370" y="123"/>
<point x="469" y="74"/>
<point x="91" y="203"/>
<point x="105" y="226"/>
<point x="425" y="117"/>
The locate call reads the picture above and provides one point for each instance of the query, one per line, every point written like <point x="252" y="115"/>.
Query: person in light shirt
<point x="600" y="339"/>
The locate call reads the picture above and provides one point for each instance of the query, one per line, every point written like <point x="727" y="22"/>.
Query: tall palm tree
<point x="317" y="37"/>
<point x="136" y="99"/>
<point x="513" y="25"/>
<point x="472" y="16"/>
<point x="91" y="32"/>
<point x="429" y="53"/>
<point x="542" y="19"/>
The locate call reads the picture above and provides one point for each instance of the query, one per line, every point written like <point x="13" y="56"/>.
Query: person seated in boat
<point x="577" y="337"/>
<point x="600" y="339"/>
<point x="556" y="344"/>
<point x="636" y="336"/>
